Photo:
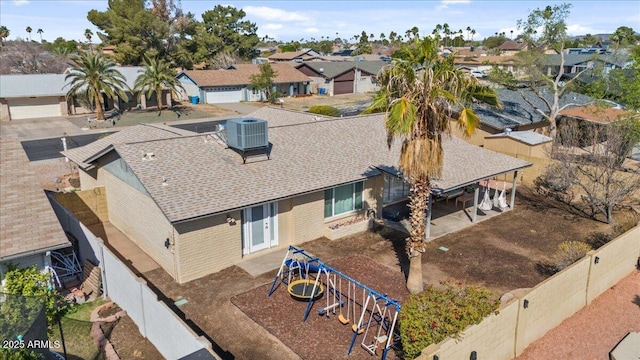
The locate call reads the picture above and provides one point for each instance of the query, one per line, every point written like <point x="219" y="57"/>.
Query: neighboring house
<point x="515" y="143"/>
<point x="192" y="204"/>
<point x="511" y="47"/>
<point x="233" y="84"/>
<point x="297" y="56"/>
<point x="29" y="96"/>
<point x="574" y="63"/>
<point x="517" y="113"/>
<point x="29" y="229"/>
<point x="467" y="51"/>
<point x="486" y="63"/>
<point x="348" y="77"/>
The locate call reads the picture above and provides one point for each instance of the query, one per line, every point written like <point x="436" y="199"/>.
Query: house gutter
<point x="35" y="252"/>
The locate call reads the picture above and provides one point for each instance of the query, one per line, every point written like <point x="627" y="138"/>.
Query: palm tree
<point x="4" y="33"/>
<point x="155" y="77"/>
<point x="40" y="33"/>
<point x="94" y="75"/>
<point x="29" y="29"/>
<point x="419" y="105"/>
<point x="88" y="34"/>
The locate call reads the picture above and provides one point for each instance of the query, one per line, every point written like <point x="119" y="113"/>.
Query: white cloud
<point x="445" y="3"/>
<point x="577" y="29"/>
<point x="271" y="26"/>
<point x="311" y="30"/>
<point x="20" y="2"/>
<point x="273" y="14"/>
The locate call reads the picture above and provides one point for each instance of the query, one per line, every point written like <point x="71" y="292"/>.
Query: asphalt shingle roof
<point x="204" y="177"/>
<point x="27" y="221"/>
<point x="142" y="132"/>
<point x="331" y="69"/>
<point x="517" y="112"/>
<point x="241" y="75"/>
<point x="573" y="59"/>
<point x="527" y="137"/>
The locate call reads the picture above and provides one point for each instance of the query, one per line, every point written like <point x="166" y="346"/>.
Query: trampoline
<point x="302" y="290"/>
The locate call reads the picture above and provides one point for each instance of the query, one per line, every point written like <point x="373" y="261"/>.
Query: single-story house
<point x="29" y="96"/>
<point x="486" y="63"/>
<point x="297" y="56"/>
<point x="233" y="84"/>
<point x="574" y="63"/>
<point x="511" y="47"/>
<point x="349" y="77"/>
<point x="196" y="206"/>
<point x="29" y="228"/>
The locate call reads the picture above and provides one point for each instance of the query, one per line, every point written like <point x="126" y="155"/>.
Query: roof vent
<point x="148" y="156"/>
<point x="507" y="131"/>
<point x="247" y="135"/>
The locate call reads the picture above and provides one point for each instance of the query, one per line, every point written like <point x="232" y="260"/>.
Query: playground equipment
<point x="379" y="331"/>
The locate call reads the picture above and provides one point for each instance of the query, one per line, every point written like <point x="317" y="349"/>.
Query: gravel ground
<point x="594" y="330"/>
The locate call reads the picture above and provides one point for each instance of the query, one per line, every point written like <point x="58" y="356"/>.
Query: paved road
<point x="44" y="149"/>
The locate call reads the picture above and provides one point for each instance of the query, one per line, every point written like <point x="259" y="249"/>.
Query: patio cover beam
<point x="513" y="190"/>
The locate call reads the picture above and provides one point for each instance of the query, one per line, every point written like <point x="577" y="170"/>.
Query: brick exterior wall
<point x="308" y="216"/>
<point x="137" y="216"/>
<point x="207" y="245"/>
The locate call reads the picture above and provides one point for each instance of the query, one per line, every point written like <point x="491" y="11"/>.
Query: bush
<point x="625" y="220"/>
<point x="438" y="312"/>
<point x="598" y="239"/>
<point x="570" y="252"/>
<point x="19" y="354"/>
<point x="324" y="110"/>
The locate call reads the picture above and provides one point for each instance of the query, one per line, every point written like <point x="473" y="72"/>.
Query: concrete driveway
<point x="39" y="128"/>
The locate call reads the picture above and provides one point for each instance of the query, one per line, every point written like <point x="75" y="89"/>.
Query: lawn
<point x="76" y="329"/>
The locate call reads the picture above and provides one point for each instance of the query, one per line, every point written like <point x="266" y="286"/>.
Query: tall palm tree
<point x="94" y="75"/>
<point x="88" y="34"/>
<point x="421" y="94"/>
<point x="40" y="33"/>
<point x="4" y="33"/>
<point x="29" y="29"/>
<point x="156" y="76"/>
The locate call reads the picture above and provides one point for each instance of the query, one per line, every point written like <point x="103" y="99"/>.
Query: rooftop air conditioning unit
<point x="247" y="133"/>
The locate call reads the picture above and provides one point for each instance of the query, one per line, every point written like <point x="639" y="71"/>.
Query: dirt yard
<point x="339" y="101"/>
<point x="504" y="253"/>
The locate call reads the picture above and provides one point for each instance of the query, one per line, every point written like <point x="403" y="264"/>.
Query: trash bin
<point x="194" y="99"/>
<point x="322" y="91"/>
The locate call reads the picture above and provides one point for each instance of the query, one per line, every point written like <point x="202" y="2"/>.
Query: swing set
<point x="307" y="279"/>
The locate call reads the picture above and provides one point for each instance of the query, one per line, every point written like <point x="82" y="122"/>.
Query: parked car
<point x="479" y="74"/>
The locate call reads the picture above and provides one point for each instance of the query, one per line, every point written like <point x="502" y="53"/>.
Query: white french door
<point x="259" y="228"/>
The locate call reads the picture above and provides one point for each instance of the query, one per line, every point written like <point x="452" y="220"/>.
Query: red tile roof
<point x="27" y="222"/>
<point x="241" y="75"/>
<point x="597" y="114"/>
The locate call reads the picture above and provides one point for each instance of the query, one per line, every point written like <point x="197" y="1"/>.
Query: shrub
<point x="598" y="239"/>
<point x="324" y="110"/>
<point x="438" y="312"/>
<point x="19" y="354"/>
<point x="570" y="252"/>
<point x="625" y="220"/>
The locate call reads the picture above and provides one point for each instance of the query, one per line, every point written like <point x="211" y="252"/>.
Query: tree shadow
<point x="636" y="300"/>
<point x="546" y="269"/>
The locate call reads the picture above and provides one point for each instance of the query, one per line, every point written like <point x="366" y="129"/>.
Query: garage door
<point x="343" y="87"/>
<point x="31" y="108"/>
<point x="227" y="94"/>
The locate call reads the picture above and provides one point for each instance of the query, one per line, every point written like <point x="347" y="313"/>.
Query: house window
<point x="343" y="199"/>
<point x="394" y="188"/>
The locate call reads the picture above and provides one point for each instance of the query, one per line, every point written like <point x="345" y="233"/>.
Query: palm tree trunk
<point x="159" y="99"/>
<point x="99" y="109"/>
<point x="418" y="201"/>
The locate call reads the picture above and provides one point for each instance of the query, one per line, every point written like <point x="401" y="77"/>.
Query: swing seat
<point x="343" y="319"/>
<point x="355" y="329"/>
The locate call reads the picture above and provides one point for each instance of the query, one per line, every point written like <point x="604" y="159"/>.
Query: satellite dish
<point x="321" y="69"/>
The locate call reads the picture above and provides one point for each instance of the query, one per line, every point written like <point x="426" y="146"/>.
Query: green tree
<point x="224" y="26"/>
<point x="156" y="76"/>
<point x="4" y="33"/>
<point x="552" y="20"/>
<point x="61" y="46"/>
<point x="92" y="75"/>
<point x="29" y="30"/>
<point x="132" y="29"/>
<point x="493" y="42"/>
<point x="363" y="46"/>
<point x="419" y="106"/>
<point x="624" y="35"/>
<point x="263" y="81"/>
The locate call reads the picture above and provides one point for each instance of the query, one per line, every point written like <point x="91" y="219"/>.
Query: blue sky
<point x="293" y="20"/>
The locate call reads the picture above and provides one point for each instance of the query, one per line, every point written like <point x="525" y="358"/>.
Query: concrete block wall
<point x="507" y="334"/>
<point x="491" y="339"/>
<point x="207" y="245"/>
<point x="550" y="302"/>
<point x="614" y="261"/>
<point x="137" y="216"/>
<point x="308" y="215"/>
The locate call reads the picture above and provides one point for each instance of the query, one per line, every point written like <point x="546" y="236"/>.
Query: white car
<point x="477" y="73"/>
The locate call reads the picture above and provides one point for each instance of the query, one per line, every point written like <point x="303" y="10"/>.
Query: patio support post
<point x="476" y="195"/>
<point x="513" y="190"/>
<point x="428" y="229"/>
